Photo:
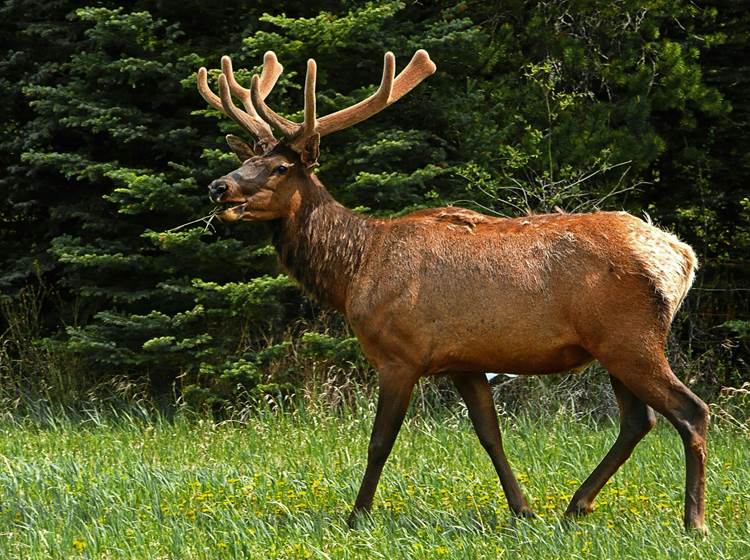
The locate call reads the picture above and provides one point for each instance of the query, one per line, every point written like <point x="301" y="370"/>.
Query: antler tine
<point x="420" y="67"/>
<point x="268" y="78"/>
<point x="259" y="90"/>
<point x="251" y="123"/>
<point x="285" y="126"/>
<point x="310" y="123"/>
<point x="390" y="91"/>
<point x="243" y="94"/>
<point x="206" y="92"/>
<point x="270" y="73"/>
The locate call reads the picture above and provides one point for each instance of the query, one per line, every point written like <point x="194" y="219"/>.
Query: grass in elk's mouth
<point x="230" y="205"/>
<point x="208" y="219"/>
<point x="205" y="219"/>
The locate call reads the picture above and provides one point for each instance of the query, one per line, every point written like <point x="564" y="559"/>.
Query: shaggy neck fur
<point x="322" y="244"/>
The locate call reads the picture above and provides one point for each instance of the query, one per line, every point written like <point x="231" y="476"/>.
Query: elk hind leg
<point x="636" y="420"/>
<point x="475" y="391"/>
<point x="651" y="379"/>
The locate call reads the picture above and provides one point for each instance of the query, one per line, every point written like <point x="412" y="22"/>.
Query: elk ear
<point x="240" y="148"/>
<point x="310" y="151"/>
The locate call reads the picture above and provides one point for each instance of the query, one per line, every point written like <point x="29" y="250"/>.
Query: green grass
<point x="281" y="485"/>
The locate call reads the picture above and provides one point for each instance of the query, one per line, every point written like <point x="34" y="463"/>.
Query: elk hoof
<point x="525" y="513"/>
<point x="698" y="529"/>
<point x="355" y="518"/>
<point x="576" y="510"/>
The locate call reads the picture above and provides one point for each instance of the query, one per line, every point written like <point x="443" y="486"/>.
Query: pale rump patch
<point x="669" y="263"/>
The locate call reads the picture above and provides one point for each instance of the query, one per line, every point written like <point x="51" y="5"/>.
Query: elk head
<point x="274" y="171"/>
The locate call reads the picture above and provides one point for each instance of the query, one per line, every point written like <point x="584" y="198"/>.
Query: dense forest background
<point x="106" y="146"/>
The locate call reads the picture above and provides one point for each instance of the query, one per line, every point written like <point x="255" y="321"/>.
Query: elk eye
<point x="280" y="170"/>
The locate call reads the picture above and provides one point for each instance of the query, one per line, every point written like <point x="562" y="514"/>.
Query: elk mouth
<point x="229" y="210"/>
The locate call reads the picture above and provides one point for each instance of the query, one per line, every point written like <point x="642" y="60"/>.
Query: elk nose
<point x="216" y="190"/>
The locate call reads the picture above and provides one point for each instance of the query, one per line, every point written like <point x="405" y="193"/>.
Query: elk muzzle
<point x="217" y="189"/>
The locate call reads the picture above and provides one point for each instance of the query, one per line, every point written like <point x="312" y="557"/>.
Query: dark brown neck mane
<point x="322" y="244"/>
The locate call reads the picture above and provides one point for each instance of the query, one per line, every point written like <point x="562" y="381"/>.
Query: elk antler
<point x="248" y="119"/>
<point x="420" y="67"/>
<point x="390" y="91"/>
<point x="258" y="116"/>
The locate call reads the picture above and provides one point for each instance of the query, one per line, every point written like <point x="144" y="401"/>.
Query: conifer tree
<point x="107" y="147"/>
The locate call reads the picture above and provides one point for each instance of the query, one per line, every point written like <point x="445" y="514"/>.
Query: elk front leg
<point x="393" y="401"/>
<point x="475" y="390"/>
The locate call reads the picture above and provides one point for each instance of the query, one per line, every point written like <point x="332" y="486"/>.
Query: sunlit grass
<point x="280" y="486"/>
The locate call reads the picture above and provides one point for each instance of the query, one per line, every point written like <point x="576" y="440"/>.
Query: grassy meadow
<point x="280" y="485"/>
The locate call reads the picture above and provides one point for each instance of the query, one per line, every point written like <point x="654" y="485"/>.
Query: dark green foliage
<point x="106" y="146"/>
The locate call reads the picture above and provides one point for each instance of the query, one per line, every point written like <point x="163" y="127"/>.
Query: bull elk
<point x="451" y="291"/>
